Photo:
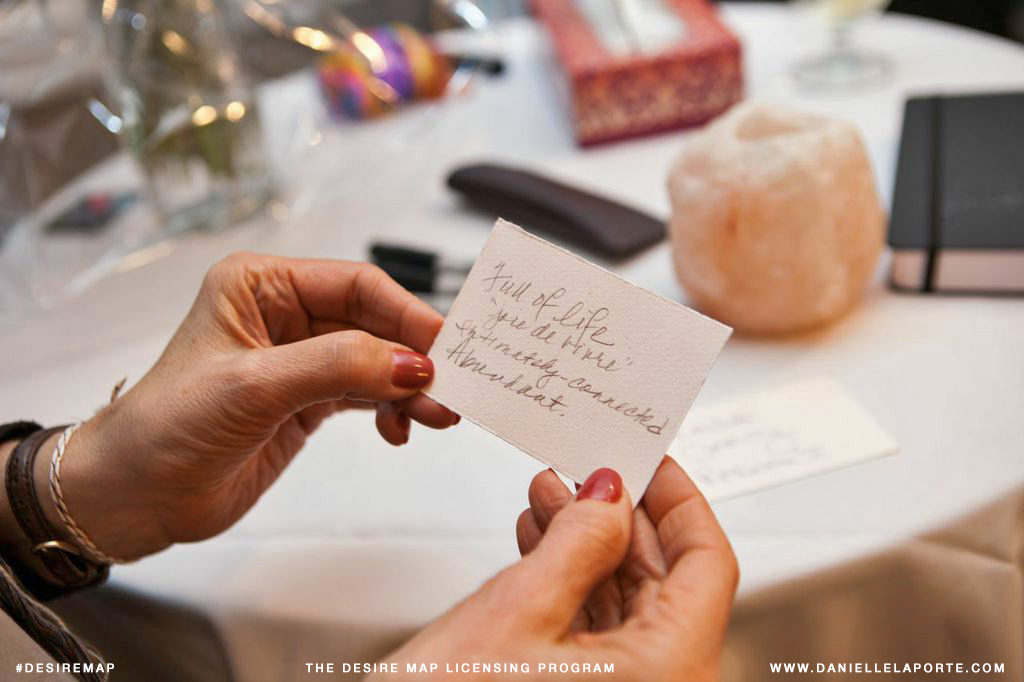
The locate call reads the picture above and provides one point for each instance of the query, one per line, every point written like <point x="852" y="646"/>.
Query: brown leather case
<point x="539" y="204"/>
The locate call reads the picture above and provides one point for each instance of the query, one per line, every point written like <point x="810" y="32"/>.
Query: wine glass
<point x="844" y="67"/>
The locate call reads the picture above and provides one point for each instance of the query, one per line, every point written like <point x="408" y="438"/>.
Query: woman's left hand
<point x="271" y="347"/>
<point x="644" y="594"/>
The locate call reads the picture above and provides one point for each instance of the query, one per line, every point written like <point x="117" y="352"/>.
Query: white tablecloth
<point x="360" y="543"/>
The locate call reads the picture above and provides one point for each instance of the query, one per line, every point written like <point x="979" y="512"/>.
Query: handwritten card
<point x="774" y="437"/>
<point x="568" y="362"/>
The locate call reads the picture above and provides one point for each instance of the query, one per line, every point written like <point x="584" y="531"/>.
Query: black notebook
<point x="958" y="206"/>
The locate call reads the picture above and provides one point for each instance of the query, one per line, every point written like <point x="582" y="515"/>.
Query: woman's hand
<point x="647" y="591"/>
<point x="271" y="347"/>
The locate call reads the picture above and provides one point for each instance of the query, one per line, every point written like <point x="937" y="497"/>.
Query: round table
<point x="359" y="543"/>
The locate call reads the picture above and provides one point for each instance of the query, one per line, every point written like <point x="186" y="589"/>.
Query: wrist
<point x="99" y="492"/>
<point x="43" y="558"/>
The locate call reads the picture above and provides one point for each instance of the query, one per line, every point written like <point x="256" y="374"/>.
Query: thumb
<point x="584" y="544"/>
<point x="347" y="364"/>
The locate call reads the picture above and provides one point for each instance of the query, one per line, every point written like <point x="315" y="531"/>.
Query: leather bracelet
<point x="17" y="430"/>
<point x="67" y="569"/>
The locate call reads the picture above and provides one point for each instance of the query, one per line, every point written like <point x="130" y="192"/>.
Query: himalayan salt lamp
<point x="776" y="224"/>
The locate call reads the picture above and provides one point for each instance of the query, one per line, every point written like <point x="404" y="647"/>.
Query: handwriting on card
<point x="522" y="316"/>
<point x="773" y="437"/>
<point x="568" y="362"/>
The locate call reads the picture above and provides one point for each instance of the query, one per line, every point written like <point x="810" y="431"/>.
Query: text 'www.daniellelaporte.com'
<point x="887" y="668"/>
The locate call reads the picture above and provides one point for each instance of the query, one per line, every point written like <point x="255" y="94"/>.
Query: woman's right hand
<point x="647" y="591"/>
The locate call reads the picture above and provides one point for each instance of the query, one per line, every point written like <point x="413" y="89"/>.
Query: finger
<point x="364" y="295"/>
<point x="583" y="545"/>
<point x="427" y="412"/>
<point x="548" y="495"/>
<point x="528" y="533"/>
<point x="342" y="365"/>
<point x="392" y="423"/>
<point x="644" y="568"/>
<point x="636" y="581"/>
<point x="703" y="573"/>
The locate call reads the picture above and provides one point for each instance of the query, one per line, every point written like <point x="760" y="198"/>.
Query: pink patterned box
<point x="616" y="95"/>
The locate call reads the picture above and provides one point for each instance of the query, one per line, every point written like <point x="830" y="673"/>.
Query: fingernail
<point x="411" y="370"/>
<point x="604" y="485"/>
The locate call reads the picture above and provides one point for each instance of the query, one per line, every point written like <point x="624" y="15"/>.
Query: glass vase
<point x="189" y="112"/>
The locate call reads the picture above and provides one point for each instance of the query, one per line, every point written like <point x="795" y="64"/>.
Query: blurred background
<point x="47" y="87"/>
<point x="52" y="85"/>
<point x="1001" y="17"/>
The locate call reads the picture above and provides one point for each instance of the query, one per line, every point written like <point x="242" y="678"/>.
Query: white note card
<point x="568" y="362"/>
<point x="773" y="437"/>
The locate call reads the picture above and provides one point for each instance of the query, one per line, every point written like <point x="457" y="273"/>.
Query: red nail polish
<point x="411" y="370"/>
<point x="458" y="418"/>
<point x="604" y="485"/>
